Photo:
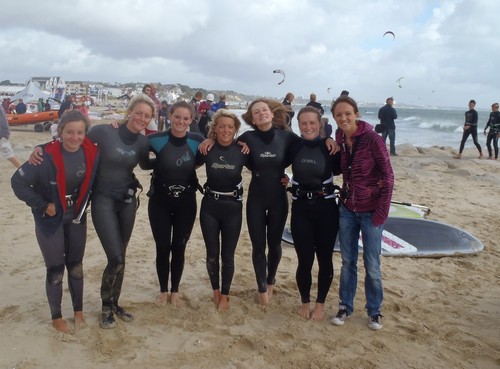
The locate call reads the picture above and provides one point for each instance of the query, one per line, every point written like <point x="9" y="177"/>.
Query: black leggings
<point x="172" y="220"/>
<point x="220" y="222"/>
<point x="315" y="224"/>
<point x="267" y="209"/>
<point x="492" y="136"/>
<point x="471" y="131"/>
<point x="113" y="221"/>
<point x="64" y="248"/>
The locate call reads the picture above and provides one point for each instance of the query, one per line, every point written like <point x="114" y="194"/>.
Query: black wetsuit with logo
<point x="172" y="203"/>
<point x="221" y="211"/>
<point x="65" y="179"/>
<point x="114" y="204"/>
<point x="315" y="215"/>
<point x="267" y="202"/>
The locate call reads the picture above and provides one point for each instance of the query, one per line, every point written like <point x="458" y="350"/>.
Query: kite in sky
<point x="282" y="73"/>
<point x="398" y="81"/>
<point x="390" y="33"/>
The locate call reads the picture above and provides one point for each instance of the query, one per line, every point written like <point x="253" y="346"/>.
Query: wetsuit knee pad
<point x="117" y="264"/>
<point x="75" y="269"/>
<point x="55" y="275"/>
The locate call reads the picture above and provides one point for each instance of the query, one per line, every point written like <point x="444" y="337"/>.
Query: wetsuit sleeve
<point x="489" y="121"/>
<point x="145" y="162"/>
<point x="335" y="163"/>
<point x="474" y="117"/>
<point x="23" y="184"/>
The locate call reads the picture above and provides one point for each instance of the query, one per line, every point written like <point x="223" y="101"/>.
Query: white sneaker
<point x="341" y="317"/>
<point x="375" y="322"/>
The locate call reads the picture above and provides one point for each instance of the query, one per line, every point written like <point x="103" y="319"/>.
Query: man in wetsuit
<point x="470" y="128"/>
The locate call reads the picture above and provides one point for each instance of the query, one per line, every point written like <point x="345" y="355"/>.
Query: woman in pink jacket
<point x="365" y="200"/>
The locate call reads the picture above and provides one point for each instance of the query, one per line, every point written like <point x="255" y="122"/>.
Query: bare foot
<point x="162" y="300"/>
<point x="270" y="289"/>
<point x="490" y="158"/>
<point x="223" y="303"/>
<point x="62" y="326"/>
<point x="216" y="297"/>
<point x="174" y="298"/>
<point x="480" y="156"/>
<point x="319" y="312"/>
<point x="458" y="156"/>
<point x="79" y="320"/>
<point x="263" y="298"/>
<point x="305" y="311"/>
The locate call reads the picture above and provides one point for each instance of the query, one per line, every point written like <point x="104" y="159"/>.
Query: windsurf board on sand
<point x="417" y="237"/>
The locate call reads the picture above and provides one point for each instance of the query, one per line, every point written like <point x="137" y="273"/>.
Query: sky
<point x="446" y="51"/>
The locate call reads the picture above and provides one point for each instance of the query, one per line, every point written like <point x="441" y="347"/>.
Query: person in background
<point x="57" y="192"/>
<point x="40" y="107"/>
<point x="287" y="102"/>
<point x="47" y="106"/>
<point x="312" y="102"/>
<point x="21" y="107"/>
<point x="494" y="132"/>
<point x="172" y="197"/>
<point x="6" y="104"/>
<point x="365" y="199"/>
<point x="387" y="114"/>
<point x="221" y="207"/>
<point x="66" y="105"/>
<point x="219" y="105"/>
<point x="150" y="90"/>
<point x="163" y="122"/>
<point x="195" y="102"/>
<point x="83" y="108"/>
<point x="315" y="215"/>
<point x="5" y="146"/>
<point x="203" y="112"/>
<point x="470" y="128"/>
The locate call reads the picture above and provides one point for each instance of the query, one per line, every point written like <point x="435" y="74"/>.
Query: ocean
<point x="418" y="127"/>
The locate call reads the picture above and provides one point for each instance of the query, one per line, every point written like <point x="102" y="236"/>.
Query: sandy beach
<point x="438" y="313"/>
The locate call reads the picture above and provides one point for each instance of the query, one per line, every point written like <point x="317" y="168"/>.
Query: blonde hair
<point x="220" y="114"/>
<point x="140" y="99"/>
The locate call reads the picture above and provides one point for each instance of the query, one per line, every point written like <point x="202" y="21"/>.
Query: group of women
<point x="267" y="150"/>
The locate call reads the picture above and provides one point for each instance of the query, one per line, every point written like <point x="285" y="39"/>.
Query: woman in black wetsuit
<point x="57" y="192"/>
<point x="267" y="202"/>
<point x="221" y="207"/>
<point x="172" y="203"/>
<point x="315" y="215"/>
<point x="114" y="204"/>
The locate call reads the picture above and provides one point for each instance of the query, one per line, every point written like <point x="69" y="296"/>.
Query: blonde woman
<point x="221" y="208"/>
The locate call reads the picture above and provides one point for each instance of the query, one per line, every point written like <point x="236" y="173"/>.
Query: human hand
<point x="115" y="124"/>
<point x="285" y="180"/>
<point x="466" y="128"/>
<point x="206" y="145"/>
<point x="36" y="157"/>
<point x="244" y="147"/>
<point x="332" y="146"/>
<point x="51" y="209"/>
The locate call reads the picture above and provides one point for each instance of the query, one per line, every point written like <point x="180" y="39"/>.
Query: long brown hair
<point x="278" y="109"/>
